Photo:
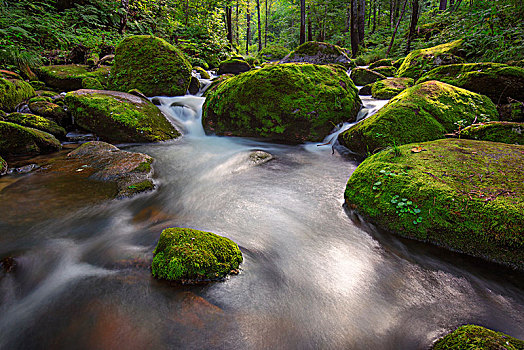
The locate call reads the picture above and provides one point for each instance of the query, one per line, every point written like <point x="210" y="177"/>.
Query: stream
<point x="314" y="276"/>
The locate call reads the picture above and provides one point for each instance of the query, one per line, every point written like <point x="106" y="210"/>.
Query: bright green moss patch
<point x="13" y="92"/>
<point x="40" y="98"/>
<point x="18" y="140"/>
<point x="92" y="83"/>
<point x="272" y="53"/>
<point x="119" y="116"/>
<point x="151" y="65"/>
<point x="423" y="112"/>
<point x="495" y="80"/>
<point x="389" y="88"/>
<point x="306" y="101"/>
<point x="419" y="62"/>
<point x="505" y="132"/>
<point x="183" y="254"/>
<point x="36" y="122"/>
<point x="387" y="71"/>
<point x="381" y="63"/>
<point x="363" y="76"/>
<point x="203" y="73"/>
<point x="477" y="337"/>
<point x="464" y="195"/>
<point x="69" y="77"/>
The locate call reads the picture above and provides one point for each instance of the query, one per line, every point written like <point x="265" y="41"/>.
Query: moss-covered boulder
<point x="385" y="62"/>
<point x="50" y="111"/>
<point x="423" y="112"/>
<point x="17" y="140"/>
<point x="69" y="77"/>
<point x="36" y="122"/>
<point x="3" y="166"/>
<point x="288" y="102"/>
<point x="465" y="195"/>
<point x="505" y="132"/>
<point x="364" y="76"/>
<point x="272" y="53"/>
<point x="495" y="80"/>
<point x="388" y="71"/>
<point x="151" y="65"/>
<point x="194" y="86"/>
<point x="119" y="116"/>
<point x="419" y="62"/>
<point x="477" y="337"/>
<point x="92" y="83"/>
<point x="389" y="88"/>
<point x="203" y="73"/>
<point x="13" y="92"/>
<point x="319" y="53"/>
<point x="398" y="62"/>
<point x="214" y="84"/>
<point x="512" y="112"/>
<point x="233" y="66"/>
<point x="365" y="90"/>
<point x="187" y="255"/>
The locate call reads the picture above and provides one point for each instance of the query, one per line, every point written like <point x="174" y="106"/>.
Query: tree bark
<point x="354" y="29"/>
<point x="443" y="5"/>
<point x="361" y="20"/>
<point x="123" y="18"/>
<point x="309" y="26"/>
<point x="229" y="24"/>
<point x="259" y="27"/>
<point x="265" y="32"/>
<point x="375" y="16"/>
<point x="302" y="22"/>
<point x="396" y="28"/>
<point x="248" y="33"/>
<point x="237" y="38"/>
<point x="187" y="12"/>
<point x="413" y="23"/>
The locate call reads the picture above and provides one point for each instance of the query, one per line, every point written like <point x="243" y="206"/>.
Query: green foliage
<point x="477" y="337"/>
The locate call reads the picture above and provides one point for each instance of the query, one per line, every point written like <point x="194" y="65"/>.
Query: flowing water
<point x="313" y="276"/>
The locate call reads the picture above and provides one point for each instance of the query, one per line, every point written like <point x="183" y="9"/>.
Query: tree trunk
<point x="396" y="28"/>
<point x="248" y="33"/>
<point x="309" y="26"/>
<point x="265" y="32"/>
<point x="237" y="36"/>
<point x="187" y="12"/>
<point x="259" y="25"/>
<point x="229" y="24"/>
<point x="348" y="18"/>
<point x="443" y="5"/>
<point x="361" y="20"/>
<point x="354" y="29"/>
<point x="413" y="24"/>
<point x="123" y="18"/>
<point x="375" y="16"/>
<point x="302" y="21"/>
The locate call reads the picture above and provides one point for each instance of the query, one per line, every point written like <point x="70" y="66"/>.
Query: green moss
<point x="3" y="166"/>
<point x="214" y="84"/>
<point x="423" y="112"/>
<point x="40" y="98"/>
<point x="36" y="122"/>
<point x="13" y="92"/>
<point x="477" y="337"/>
<point x="306" y="101"/>
<point x="272" y="53"/>
<point x="385" y="62"/>
<point x="186" y="254"/>
<point x="119" y="116"/>
<point x="144" y="167"/>
<point x="512" y="112"/>
<point x="505" y="132"/>
<point x="93" y="59"/>
<point x="387" y="71"/>
<point x="20" y="140"/>
<point x="37" y="85"/>
<point x="203" y="73"/>
<point x="495" y="80"/>
<point x="49" y="110"/>
<point x="389" y="88"/>
<point x="233" y="66"/>
<point x="92" y="83"/>
<point x="364" y="76"/>
<point x="142" y="186"/>
<point x="398" y="62"/>
<point x="69" y="77"/>
<point x="469" y="196"/>
<point x="319" y="53"/>
<point x="419" y="62"/>
<point x="151" y="65"/>
<point x="45" y="93"/>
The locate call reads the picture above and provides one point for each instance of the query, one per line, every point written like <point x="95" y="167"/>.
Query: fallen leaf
<point x="416" y="149"/>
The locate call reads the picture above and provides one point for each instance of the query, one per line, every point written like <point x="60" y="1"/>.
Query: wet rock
<point x="233" y="66"/>
<point x="316" y="52"/>
<point x="139" y="93"/>
<point x="389" y="88"/>
<point x="194" y="86"/>
<point x="13" y="91"/>
<point x="381" y="63"/>
<point x="69" y="77"/>
<point x="50" y="111"/>
<point x="214" y="84"/>
<point x="24" y="169"/>
<point x="365" y="90"/>
<point x="203" y="73"/>
<point x="477" y="337"/>
<point x="363" y="76"/>
<point x="75" y="136"/>
<point x="387" y="71"/>
<point x="260" y="157"/>
<point x="36" y="122"/>
<point x="20" y="140"/>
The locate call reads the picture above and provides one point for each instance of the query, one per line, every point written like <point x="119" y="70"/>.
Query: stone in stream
<point x="463" y="195"/>
<point x="69" y="77"/>
<point x="36" y="122"/>
<point x="387" y="71"/>
<point x="13" y="90"/>
<point x="151" y="65"/>
<point x="17" y="140"/>
<point x="381" y="63"/>
<point x="233" y="66"/>
<point x="260" y="157"/>
<point x="389" y="88"/>
<point x="364" y="76"/>
<point x="191" y="256"/>
<point x="316" y="52"/>
<point x="365" y="90"/>
<point x="194" y="86"/>
<point x="477" y="337"/>
<point x="306" y="101"/>
<point x="424" y="112"/>
<point x="203" y="73"/>
<point x="49" y="110"/>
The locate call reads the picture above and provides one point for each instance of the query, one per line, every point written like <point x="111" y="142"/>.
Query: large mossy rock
<point x="151" y="65"/>
<point x="389" y="88"/>
<point x="319" y="53"/>
<point x="465" y="195"/>
<point x="272" y="53"/>
<point x="17" y="140"/>
<point x="13" y="92"/>
<point x="49" y="110"/>
<point x="388" y="71"/>
<point x="364" y="76"/>
<point x="36" y="122"/>
<point x="187" y="255"/>
<point x="424" y="112"/>
<point x="233" y="66"/>
<point x="119" y="116"/>
<point x="69" y="77"/>
<point x="286" y="102"/>
<point x="385" y="62"/>
<point x="477" y="337"/>
<point x="505" y="132"/>
<point x="419" y="62"/>
<point x="495" y="80"/>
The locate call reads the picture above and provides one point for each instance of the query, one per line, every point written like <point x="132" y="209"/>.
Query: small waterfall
<point x="185" y="112"/>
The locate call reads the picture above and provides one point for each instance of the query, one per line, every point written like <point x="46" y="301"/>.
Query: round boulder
<point x="69" y="77"/>
<point x="477" y="337"/>
<point x="233" y="66"/>
<point x="17" y="140"/>
<point x="36" y="122"/>
<point x="389" y="88"/>
<point x="364" y="76"/>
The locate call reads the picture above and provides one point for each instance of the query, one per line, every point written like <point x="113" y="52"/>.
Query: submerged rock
<point x="260" y="157"/>
<point x="389" y="88"/>
<point x="151" y="65"/>
<point x="316" y="52"/>
<point x="272" y="53"/>
<point x="17" y="140"/>
<point x="233" y="66"/>
<point x="13" y="92"/>
<point x="419" y="62"/>
<point x="187" y="255"/>
<point x="477" y="337"/>
<point x="505" y="132"/>
<point x="464" y="195"/>
<point x="495" y="80"/>
<point x="36" y="122"/>
<point x="424" y="112"/>
<point x="287" y="102"/>
<point x="363" y="76"/>
<point x="69" y="77"/>
<point x="119" y="116"/>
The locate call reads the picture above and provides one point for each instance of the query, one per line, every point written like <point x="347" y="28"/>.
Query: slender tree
<point x="443" y="5"/>
<point x="236" y="23"/>
<point x="259" y="27"/>
<point x="248" y="32"/>
<point x="309" y="26"/>
<point x="229" y="24"/>
<point x="396" y="28"/>
<point x="413" y="23"/>
<point x="302" y="21"/>
<point x="361" y="20"/>
<point x="265" y="32"/>
<point x="354" y="29"/>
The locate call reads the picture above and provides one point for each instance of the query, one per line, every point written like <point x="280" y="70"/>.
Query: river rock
<point x="194" y="86"/>
<point x="69" y="77"/>
<point x="465" y="195"/>
<point x="151" y="65"/>
<point x="36" y="122"/>
<point x="364" y="76"/>
<point x="50" y="110"/>
<point x="272" y="53"/>
<point x="387" y="71"/>
<point x="287" y="102"/>
<point x="319" y="53"/>
<point x="203" y="73"/>
<point x="385" y="62"/>
<point x="260" y="157"/>
<point x="365" y="90"/>
<point x="497" y="81"/>
<point x="419" y="62"/>
<point x="13" y="90"/>
<point x="188" y="256"/>
<point x="119" y="116"/>
<point x="424" y="112"/>
<point x="233" y="66"/>
<point x="506" y="132"/>
<point x="3" y="166"/>
<point x="477" y="337"/>
<point x="389" y="88"/>
<point x="17" y="140"/>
